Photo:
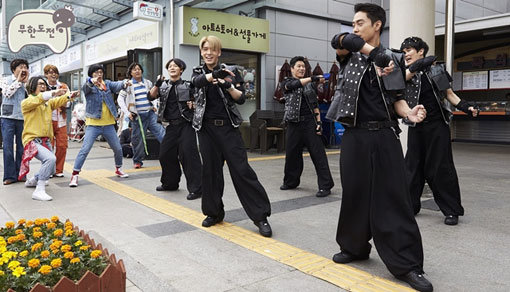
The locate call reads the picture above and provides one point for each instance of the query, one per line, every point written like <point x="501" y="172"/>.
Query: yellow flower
<point x="37" y="246"/>
<point x="69" y="232"/>
<point x="95" y="253"/>
<point x="84" y="247"/>
<point x="21" y="237"/>
<point x="18" y="231"/>
<point x="46" y="220"/>
<point x="69" y="255"/>
<point x="45" y="253"/>
<point x="58" y="232"/>
<point x="34" y="263"/>
<point x="2" y="273"/>
<point x="51" y="225"/>
<point x="78" y="243"/>
<point x="39" y="222"/>
<point x="68" y="224"/>
<point x="12" y="239"/>
<point x="13" y="265"/>
<point x="23" y="253"/>
<point x="21" y="221"/>
<point x="66" y="248"/>
<point x="45" y="269"/>
<point x="19" y="271"/>
<point x="75" y="260"/>
<point x="37" y="234"/>
<point x="54" y="219"/>
<point x="30" y="223"/>
<point x="37" y="229"/>
<point x="9" y="224"/>
<point x="56" y="263"/>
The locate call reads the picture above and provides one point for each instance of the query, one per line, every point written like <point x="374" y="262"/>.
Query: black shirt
<point x="172" y="111"/>
<point x="214" y="106"/>
<point x="428" y="100"/>
<point x="370" y="102"/>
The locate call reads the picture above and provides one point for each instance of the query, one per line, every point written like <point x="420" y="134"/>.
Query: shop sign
<point x="235" y="32"/>
<point x="147" y="11"/>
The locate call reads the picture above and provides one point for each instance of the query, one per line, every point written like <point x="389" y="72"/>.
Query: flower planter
<point x="112" y="278"/>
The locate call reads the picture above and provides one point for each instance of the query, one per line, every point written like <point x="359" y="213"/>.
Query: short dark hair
<point x="296" y="59"/>
<point x="415" y="43"/>
<point x="374" y="13"/>
<point x="131" y="67"/>
<point x="16" y="62"/>
<point x="94" y="68"/>
<point x="180" y="63"/>
<point x="32" y="84"/>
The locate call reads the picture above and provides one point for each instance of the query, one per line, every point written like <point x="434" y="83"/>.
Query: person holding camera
<point x="217" y="121"/>
<point x="429" y="148"/>
<point x="14" y="93"/>
<point x="304" y="128"/>
<point x="375" y="199"/>
<point x="134" y="101"/>
<point x="179" y="145"/>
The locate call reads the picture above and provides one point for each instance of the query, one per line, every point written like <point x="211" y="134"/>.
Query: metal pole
<point x="449" y="35"/>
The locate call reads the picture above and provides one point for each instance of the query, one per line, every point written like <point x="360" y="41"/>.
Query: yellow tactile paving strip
<point x="343" y="276"/>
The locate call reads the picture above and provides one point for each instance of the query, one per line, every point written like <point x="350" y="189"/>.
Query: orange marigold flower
<point x="34" y="263"/>
<point x="45" y="269"/>
<point x="39" y="222"/>
<point x="12" y="239"/>
<point x="36" y="229"/>
<point x="18" y="231"/>
<point x="69" y="255"/>
<point x="46" y="220"/>
<point x="37" y="234"/>
<point x="37" y="246"/>
<point x="75" y="260"/>
<point x="9" y="224"/>
<point x="66" y="248"/>
<point x="45" y="253"/>
<point x="23" y="253"/>
<point x="84" y="247"/>
<point x="69" y="232"/>
<point x="56" y="263"/>
<point x="58" y="232"/>
<point x="95" y="253"/>
<point x="30" y="223"/>
<point x="21" y="221"/>
<point x="51" y="225"/>
<point x="54" y="219"/>
<point x="21" y="237"/>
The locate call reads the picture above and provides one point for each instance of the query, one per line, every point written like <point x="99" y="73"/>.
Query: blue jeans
<point x="91" y="133"/>
<point x="149" y="121"/>
<point x="12" y="129"/>
<point x="47" y="159"/>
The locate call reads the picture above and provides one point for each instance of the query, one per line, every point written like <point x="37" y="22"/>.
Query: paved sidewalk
<point x="165" y="249"/>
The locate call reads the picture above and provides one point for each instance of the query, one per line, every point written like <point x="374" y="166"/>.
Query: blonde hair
<point x="214" y="42"/>
<point x="49" y="67"/>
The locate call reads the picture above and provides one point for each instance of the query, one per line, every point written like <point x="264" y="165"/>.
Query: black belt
<point x="217" y="122"/>
<point x="376" y="125"/>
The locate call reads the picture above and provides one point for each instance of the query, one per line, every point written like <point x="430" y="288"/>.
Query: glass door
<point x="150" y="61"/>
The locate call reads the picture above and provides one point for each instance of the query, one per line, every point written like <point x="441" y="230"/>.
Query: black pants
<point x="224" y="143"/>
<point x="302" y="134"/>
<point x="376" y="202"/>
<point x="127" y="150"/>
<point x="180" y="145"/>
<point x="429" y="158"/>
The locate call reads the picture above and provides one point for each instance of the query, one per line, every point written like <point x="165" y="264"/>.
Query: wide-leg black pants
<point x="429" y="158"/>
<point x="224" y="143"/>
<point x="302" y="134"/>
<point x="180" y="145"/>
<point x="376" y="202"/>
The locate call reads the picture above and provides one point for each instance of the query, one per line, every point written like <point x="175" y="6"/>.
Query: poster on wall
<point x="475" y="80"/>
<point x="499" y="79"/>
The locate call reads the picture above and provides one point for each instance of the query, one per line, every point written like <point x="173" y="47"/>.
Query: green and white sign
<point x="235" y="32"/>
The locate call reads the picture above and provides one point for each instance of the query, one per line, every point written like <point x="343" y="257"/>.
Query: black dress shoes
<point x="285" y="187"/>
<point x="323" y="193"/>
<point x="211" y="220"/>
<point x="193" y="196"/>
<point x="417" y="281"/>
<point x="264" y="228"/>
<point x="162" y="188"/>
<point x="344" y="257"/>
<point x="451" y="220"/>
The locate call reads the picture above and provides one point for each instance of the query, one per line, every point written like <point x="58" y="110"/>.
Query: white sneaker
<point x="74" y="181"/>
<point x="31" y="183"/>
<point x="41" y="195"/>
<point x="59" y="175"/>
<point x="120" y="173"/>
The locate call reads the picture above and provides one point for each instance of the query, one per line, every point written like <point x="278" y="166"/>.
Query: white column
<point x="411" y="18"/>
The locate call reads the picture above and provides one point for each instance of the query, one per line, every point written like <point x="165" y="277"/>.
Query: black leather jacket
<point x="201" y="84"/>
<point x="352" y="69"/>
<point x="293" y="99"/>
<point x="184" y="92"/>
<point x="440" y="81"/>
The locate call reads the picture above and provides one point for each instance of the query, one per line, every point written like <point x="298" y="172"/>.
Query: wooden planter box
<point x="113" y="278"/>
